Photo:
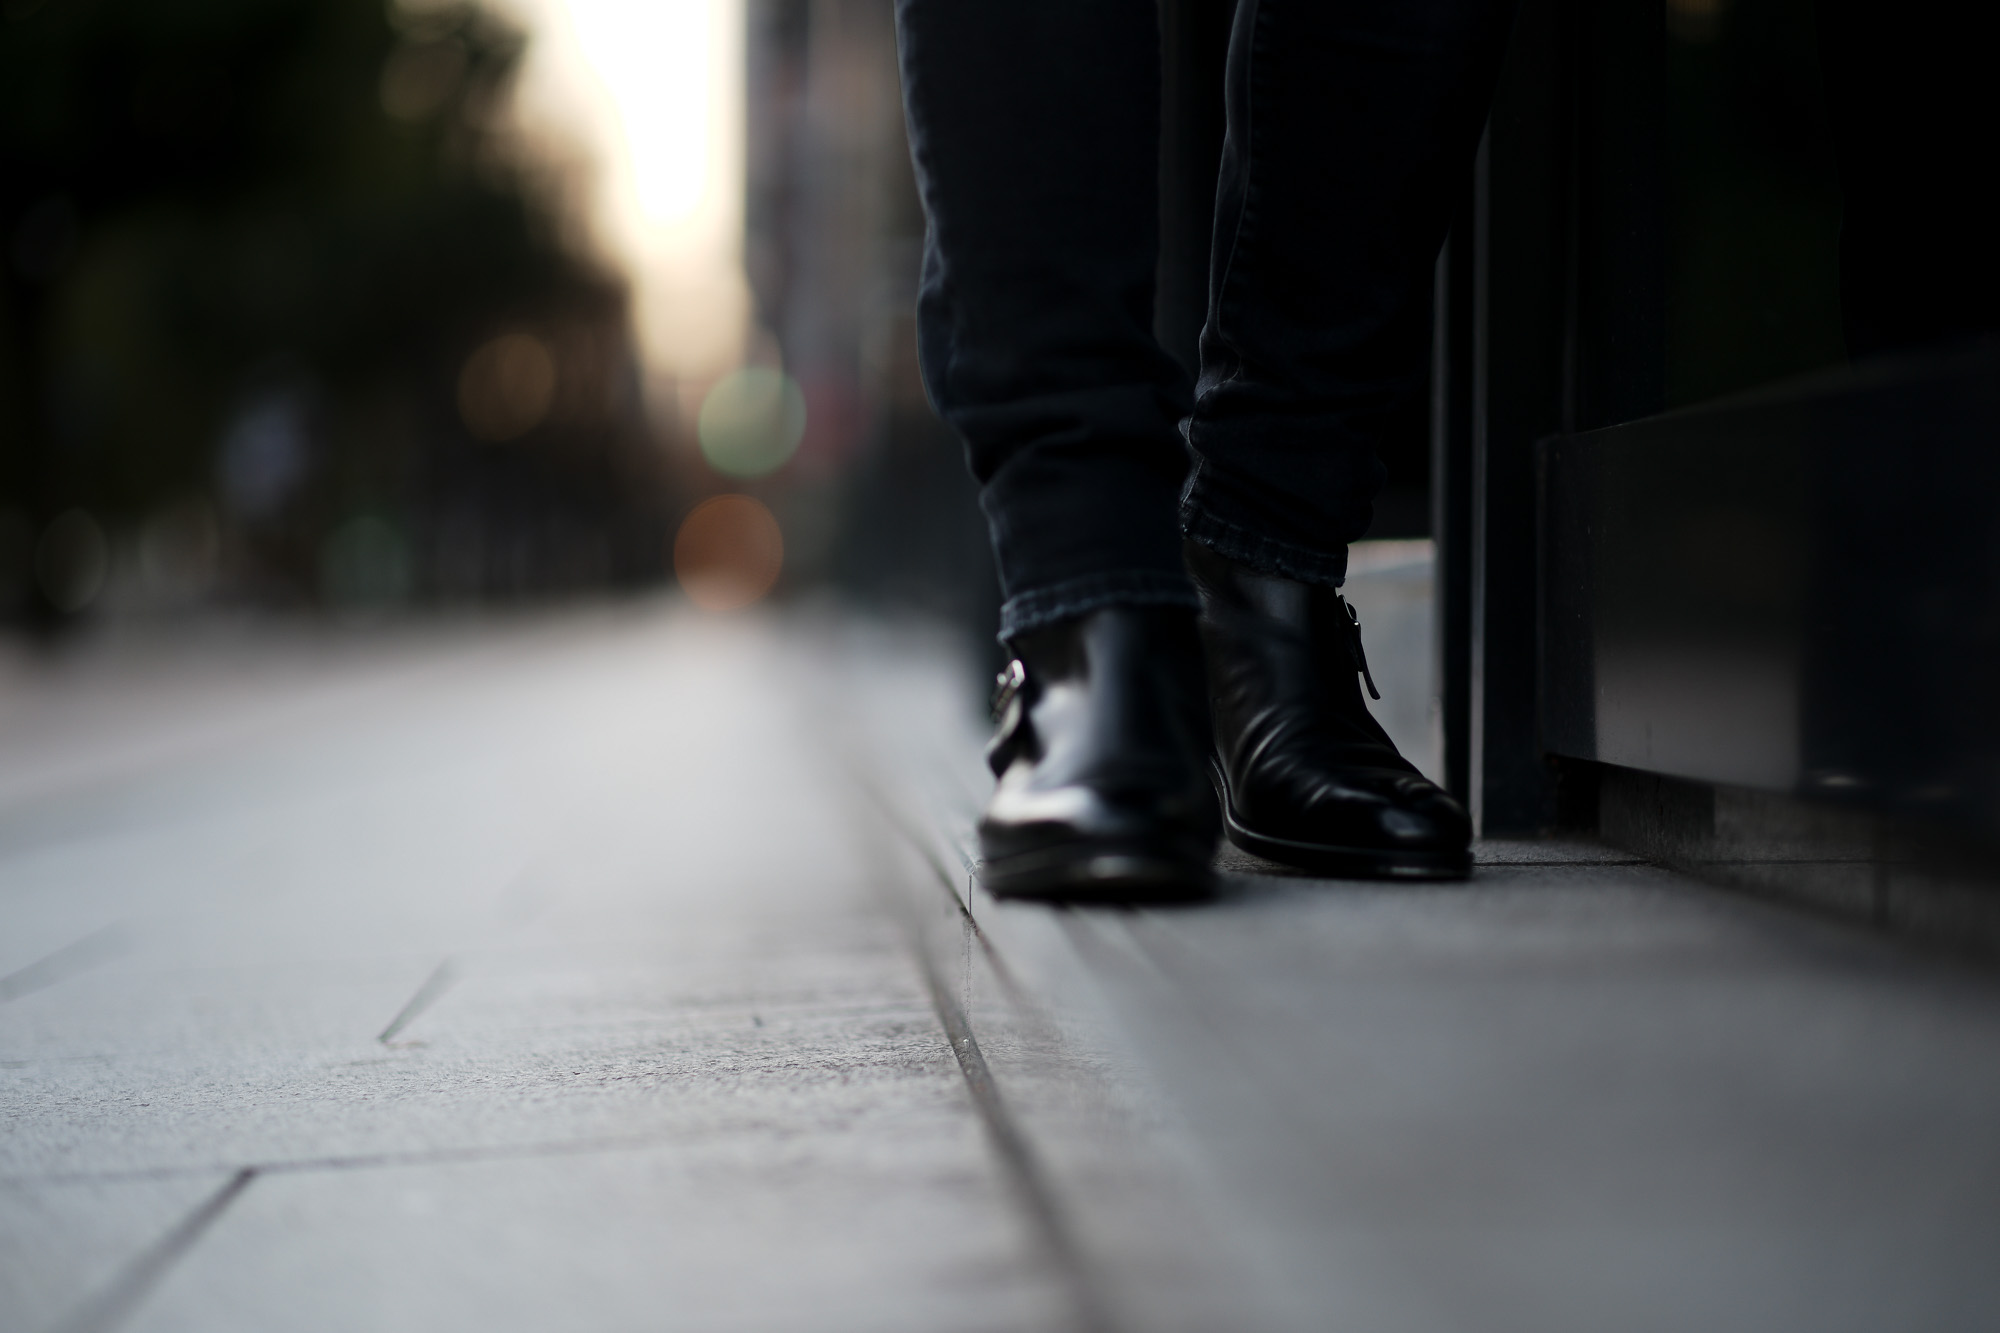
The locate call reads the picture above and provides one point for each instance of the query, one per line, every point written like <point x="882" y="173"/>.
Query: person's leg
<point x="1352" y="127"/>
<point x="1034" y="125"/>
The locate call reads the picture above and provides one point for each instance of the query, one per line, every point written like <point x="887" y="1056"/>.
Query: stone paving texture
<point x="620" y="969"/>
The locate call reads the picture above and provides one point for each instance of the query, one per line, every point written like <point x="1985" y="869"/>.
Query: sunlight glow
<point x="653" y="61"/>
<point x="644" y="98"/>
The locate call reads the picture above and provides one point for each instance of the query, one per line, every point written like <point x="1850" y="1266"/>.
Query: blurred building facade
<point x="877" y="499"/>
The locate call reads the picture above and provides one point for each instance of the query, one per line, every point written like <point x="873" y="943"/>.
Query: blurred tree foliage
<point x="252" y="247"/>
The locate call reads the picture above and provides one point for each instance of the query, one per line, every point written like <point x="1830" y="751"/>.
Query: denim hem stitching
<point x="1266" y="555"/>
<point x="1040" y="607"/>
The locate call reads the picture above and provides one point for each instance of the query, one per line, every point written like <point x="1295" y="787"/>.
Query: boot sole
<point x="1331" y="858"/>
<point x="1099" y="874"/>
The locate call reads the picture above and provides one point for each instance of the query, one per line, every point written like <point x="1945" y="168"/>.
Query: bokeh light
<point x="728" y="553"/>
<point x="751" y="422"/>
<point x="506" y="387"/>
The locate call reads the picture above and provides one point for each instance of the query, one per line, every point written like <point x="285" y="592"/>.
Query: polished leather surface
<point x="1308" y="772"/>
<point x="1099" y="757"/>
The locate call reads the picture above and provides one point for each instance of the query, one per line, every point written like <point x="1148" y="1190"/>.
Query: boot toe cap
<point x="1382" y="809"/>
<point x="1032" y="819"/>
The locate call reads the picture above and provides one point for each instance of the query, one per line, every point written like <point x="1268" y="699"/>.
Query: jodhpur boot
<point x="1306" y="775"/>
<point x="1103" y="729"/>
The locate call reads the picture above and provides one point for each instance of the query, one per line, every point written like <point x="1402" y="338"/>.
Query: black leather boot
<point x="1103" y="730"/>
<point x="1306" y="774"/>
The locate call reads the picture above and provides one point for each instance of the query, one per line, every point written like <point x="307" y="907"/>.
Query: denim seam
<point x="1241" y="231"/>
<point x="1039" y="607"/>
<point x="1242" y="236"/>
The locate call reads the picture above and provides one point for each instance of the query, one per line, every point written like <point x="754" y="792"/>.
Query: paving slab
<point x="879" y="1215"/>
<point x="64" y="1244"/>
<point x="539" y="984"/>
<point x="1575" y="1099"/>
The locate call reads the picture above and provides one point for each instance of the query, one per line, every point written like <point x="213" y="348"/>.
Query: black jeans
<point x="1034" y="125"/>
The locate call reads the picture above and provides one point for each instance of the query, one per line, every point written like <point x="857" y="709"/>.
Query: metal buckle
<point x="1008" y="684"/>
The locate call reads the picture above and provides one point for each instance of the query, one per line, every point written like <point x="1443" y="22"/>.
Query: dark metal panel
<point x="1551" y="315"/>
<point x="1451" y="498"/>
<point x="1520" y="241"/>
<point x="1796" y="590"/>
<point x="1617" y="329"/>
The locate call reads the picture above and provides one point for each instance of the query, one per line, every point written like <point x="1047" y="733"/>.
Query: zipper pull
<point x="1354" y="646"/>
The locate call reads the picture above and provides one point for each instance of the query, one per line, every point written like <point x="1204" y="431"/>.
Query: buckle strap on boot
<point x="1010" y="714"/>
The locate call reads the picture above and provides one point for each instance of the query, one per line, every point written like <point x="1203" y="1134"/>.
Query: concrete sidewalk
<point x="619" y="970"/>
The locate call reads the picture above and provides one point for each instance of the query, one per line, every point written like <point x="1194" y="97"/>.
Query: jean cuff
<point x="1265" y="555"/>
<point x="1041" y="607"/>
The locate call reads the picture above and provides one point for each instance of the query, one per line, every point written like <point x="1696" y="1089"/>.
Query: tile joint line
<point x="116" y="1302"/>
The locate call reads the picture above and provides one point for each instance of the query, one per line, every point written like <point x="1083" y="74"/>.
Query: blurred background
<point x="354" y="306"/>
<point x="397" y="305"/>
